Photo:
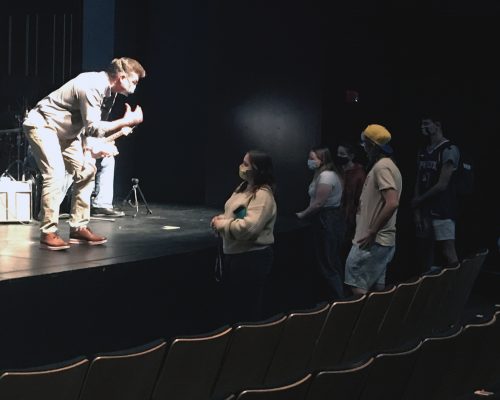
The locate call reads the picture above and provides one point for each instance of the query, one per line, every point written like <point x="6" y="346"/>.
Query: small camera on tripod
<point x="133" y="201"/>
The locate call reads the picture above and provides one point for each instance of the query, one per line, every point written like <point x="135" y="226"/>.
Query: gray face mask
<point x="312" y="164"/>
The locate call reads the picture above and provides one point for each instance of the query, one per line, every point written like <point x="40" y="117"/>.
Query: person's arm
<point x="323" y="190"/>
<point x="358" y="188"/>
<point x="417" y="215"/>
<point x="391" y="204"/>
<point x="444" y="179"/>
<point x="416" y="189"/>
<point x="258" y="213"/>
<point x="90" y="107"/>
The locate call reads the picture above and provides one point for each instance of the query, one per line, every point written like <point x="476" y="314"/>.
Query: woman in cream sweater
<point x="246" y="228"/>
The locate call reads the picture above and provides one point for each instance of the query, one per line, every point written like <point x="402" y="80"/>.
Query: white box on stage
<point x="15" y="200"/>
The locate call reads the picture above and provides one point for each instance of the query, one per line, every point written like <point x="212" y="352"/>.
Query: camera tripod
<point x="135" y="203"/>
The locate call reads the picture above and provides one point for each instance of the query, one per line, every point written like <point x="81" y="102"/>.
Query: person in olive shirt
<point x="374" y="241"/>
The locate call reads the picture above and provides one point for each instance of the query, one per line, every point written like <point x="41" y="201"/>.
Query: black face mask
<point x="341" y="160"/>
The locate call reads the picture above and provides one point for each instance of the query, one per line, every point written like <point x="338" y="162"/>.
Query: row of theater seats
<point x="378" y="345"/>
<point x="452" y="366"/>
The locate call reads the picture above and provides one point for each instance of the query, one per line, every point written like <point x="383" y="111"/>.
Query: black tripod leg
<point x="144" y="200"/>
<point x="126" y="199"/>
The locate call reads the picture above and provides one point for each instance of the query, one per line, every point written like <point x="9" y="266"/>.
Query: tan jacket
<point x="251" y="229"/>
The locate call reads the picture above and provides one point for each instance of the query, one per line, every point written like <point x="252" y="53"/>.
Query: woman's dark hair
<point x="354" y="149"/>
<point x="327" y="164"/>
<point x="262" y="170"/>
<point x="350" y="147"/>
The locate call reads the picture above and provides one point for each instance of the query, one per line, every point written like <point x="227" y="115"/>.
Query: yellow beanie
<point x="377" y="134"/>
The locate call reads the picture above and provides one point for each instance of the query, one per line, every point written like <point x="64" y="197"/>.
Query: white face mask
<point x="312" y="164"/>
<point x="128" y="86"/>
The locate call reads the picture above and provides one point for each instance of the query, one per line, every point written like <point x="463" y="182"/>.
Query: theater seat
<point x="125" y="375"/>
<point x="248" y="356"/>
<point x="296" y="345"/>
<point x="414" y="324"/>
<point x="459" y="295"/>
<point x="389" y="374"/>
<point x="434" y="357"/>
<point x="390" y="333"/>
<point x="362" y="343"/>
<point x="340" y="384"/>
<point x="466" y="373"/>
<point x="336" y="333"/>
<point x="294" y="391"/>
<point x="191" y="366"/>
<point x="61" y="381"/>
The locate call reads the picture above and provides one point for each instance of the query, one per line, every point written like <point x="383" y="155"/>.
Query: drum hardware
<point x="20" y="142"/>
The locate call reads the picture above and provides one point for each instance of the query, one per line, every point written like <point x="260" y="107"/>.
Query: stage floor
<point x="170" y="229"/>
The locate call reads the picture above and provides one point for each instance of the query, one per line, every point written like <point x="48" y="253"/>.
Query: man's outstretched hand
<point x="133" y="117"/>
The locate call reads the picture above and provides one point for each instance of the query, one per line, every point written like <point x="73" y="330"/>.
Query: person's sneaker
<point x="105" y="212"/>
<point x="52" y="241"/>
<point x="84" y="235"/>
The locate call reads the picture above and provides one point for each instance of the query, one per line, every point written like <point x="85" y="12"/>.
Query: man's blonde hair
<point x="126" y="65"/>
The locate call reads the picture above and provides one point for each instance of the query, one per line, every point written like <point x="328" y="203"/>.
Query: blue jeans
<point x="104" y="181"/>
<point x="328" y="234"/>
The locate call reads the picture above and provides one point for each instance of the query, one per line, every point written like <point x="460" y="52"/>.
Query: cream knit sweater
<point x="254" y="230"/>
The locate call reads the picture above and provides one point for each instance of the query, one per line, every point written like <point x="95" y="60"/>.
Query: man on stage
<point x="52" y="128"/>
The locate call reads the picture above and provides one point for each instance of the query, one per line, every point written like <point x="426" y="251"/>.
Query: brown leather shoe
<point x="84" y="235"/>
<point x="52" y="241"/>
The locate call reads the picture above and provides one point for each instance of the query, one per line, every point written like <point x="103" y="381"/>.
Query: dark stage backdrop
<point x="223" y="78"/>
<point x="268" y="75"/>
<point x="226" y="76"/>
<point x="40" y="48"/>
<point x="440" y="60"/>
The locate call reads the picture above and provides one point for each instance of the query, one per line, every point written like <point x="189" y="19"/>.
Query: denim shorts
<point x="366" y="267"/>
<point x="444" y="229"/>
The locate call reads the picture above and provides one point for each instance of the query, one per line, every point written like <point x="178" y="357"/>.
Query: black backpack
<point x="463" y="177"/>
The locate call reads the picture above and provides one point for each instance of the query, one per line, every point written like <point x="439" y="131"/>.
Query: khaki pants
<point x="54" y="156"/>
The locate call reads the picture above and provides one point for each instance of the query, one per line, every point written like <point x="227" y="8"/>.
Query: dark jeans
<point x="328" y="235"/>
<point x="245" y="277"/>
